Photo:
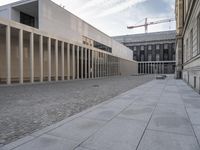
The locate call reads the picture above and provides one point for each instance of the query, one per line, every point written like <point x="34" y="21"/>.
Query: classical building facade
<point x="155" y="52"/>
<point x="41" y="41"/>
<point x="188" y="42"/>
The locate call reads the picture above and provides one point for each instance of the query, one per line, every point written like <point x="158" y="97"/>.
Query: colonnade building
<point x="188" y="42"/>
<point x="41" y="41"/>
<point x="155" y="52"/>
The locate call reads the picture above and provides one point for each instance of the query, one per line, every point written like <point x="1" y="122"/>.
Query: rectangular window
<point x="186" y="50"/>
<point x="191" y="43"/>
<point x="166" y="57"/>
<point x="157" y="47"/>
<point x="102" y="47"/>
<point x="198" y="32"/>
<point x="142" y="57"/>
<point x="184" y="53"/>
<point x="157" y="57"/>
<point x="173" y="57"/>
<point x="135" y="48"/>
<point x="149" y="47"/>
<point x="195" y="82"/>
<point x="165" y="46"/>
<point x="149" y="57"/>
<point x="27" y="19"/>
<point x="142" y="48"/>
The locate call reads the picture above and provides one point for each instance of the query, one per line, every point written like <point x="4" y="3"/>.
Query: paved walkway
<point x="159" y="115"/>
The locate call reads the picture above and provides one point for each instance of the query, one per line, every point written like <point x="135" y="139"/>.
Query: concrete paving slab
<point x="171" y="100"/>
<point x="171" y="123"/>
<point x="138" y="112"/>
<point x="103" y="113"/>
<point x="119" y="103"/>
<point x="78" y="129"/>
<point x="197" y="131"/>
<point x="189" y="94"/>
<point x="192" y="103"/>
<point x="173" y="109"/>
<point x="194" y="115"/>
<point x="47" y="142"/>
<point x="154" y="140"/>
<point x="119" y="134"/>
<point x="146" y="100"/>
<point x="171" y="118"/>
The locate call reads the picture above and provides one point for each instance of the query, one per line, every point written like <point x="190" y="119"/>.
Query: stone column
<point x="86" y="63"/>
<point x="107" y="65"/>
<point x="63" y="60"/>
<point x="144" y="68"/>
<point x="68" y="61"/>
<point x="179" y="58"/>
<point x="31" y="57"/>
<point x="49" y="59"/>
<point x="99" y="65"/>
<point x="8" y="54"/>
<point x="94" y="55"/>
<point x="139" y="66"/>
<point x="152" y="68"/>
<point x="77" y="72"/>
<point x="163" y="67"/>
<point x="82" y="62"/>
<point x="89" y="67"/>
<point x="92" y="63"/>
<point x="56" y="59"/>
<point x="73" y="62"/>
<point x="104" y="65"/>
<point x="21" y="59"/>
<point x="41" y="58"/>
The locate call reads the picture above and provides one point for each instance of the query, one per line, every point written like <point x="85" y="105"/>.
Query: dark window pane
<point x="27" y="19"/>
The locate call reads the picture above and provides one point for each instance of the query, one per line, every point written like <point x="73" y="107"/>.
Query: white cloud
<point x="113" y="16"/>
<point x="120" y="7"/>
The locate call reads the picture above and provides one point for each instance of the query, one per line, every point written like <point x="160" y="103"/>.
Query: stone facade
<point x="155" y="52"/>
<point x="188" y="42"/>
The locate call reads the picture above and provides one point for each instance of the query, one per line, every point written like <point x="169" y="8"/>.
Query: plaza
<point x="161" y="114"/>
<point x="66" y="85"/>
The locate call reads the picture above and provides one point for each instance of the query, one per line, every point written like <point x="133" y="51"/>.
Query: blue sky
<point x="113" y="16"/>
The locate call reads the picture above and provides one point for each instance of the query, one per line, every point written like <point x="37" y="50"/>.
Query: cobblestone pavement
<point x="28" y="108"/>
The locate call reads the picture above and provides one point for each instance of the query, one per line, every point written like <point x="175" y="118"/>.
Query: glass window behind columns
<point x="102" y="47"/>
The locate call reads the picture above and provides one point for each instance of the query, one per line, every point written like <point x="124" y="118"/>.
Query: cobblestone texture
<point x="25" y="109"/>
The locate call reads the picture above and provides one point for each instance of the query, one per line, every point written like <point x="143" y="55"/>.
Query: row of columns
<point x="90" y="69"/>
<point x="151" y="68"/>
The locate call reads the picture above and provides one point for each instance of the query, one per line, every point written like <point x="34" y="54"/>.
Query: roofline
<point x="146" y="33"/>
